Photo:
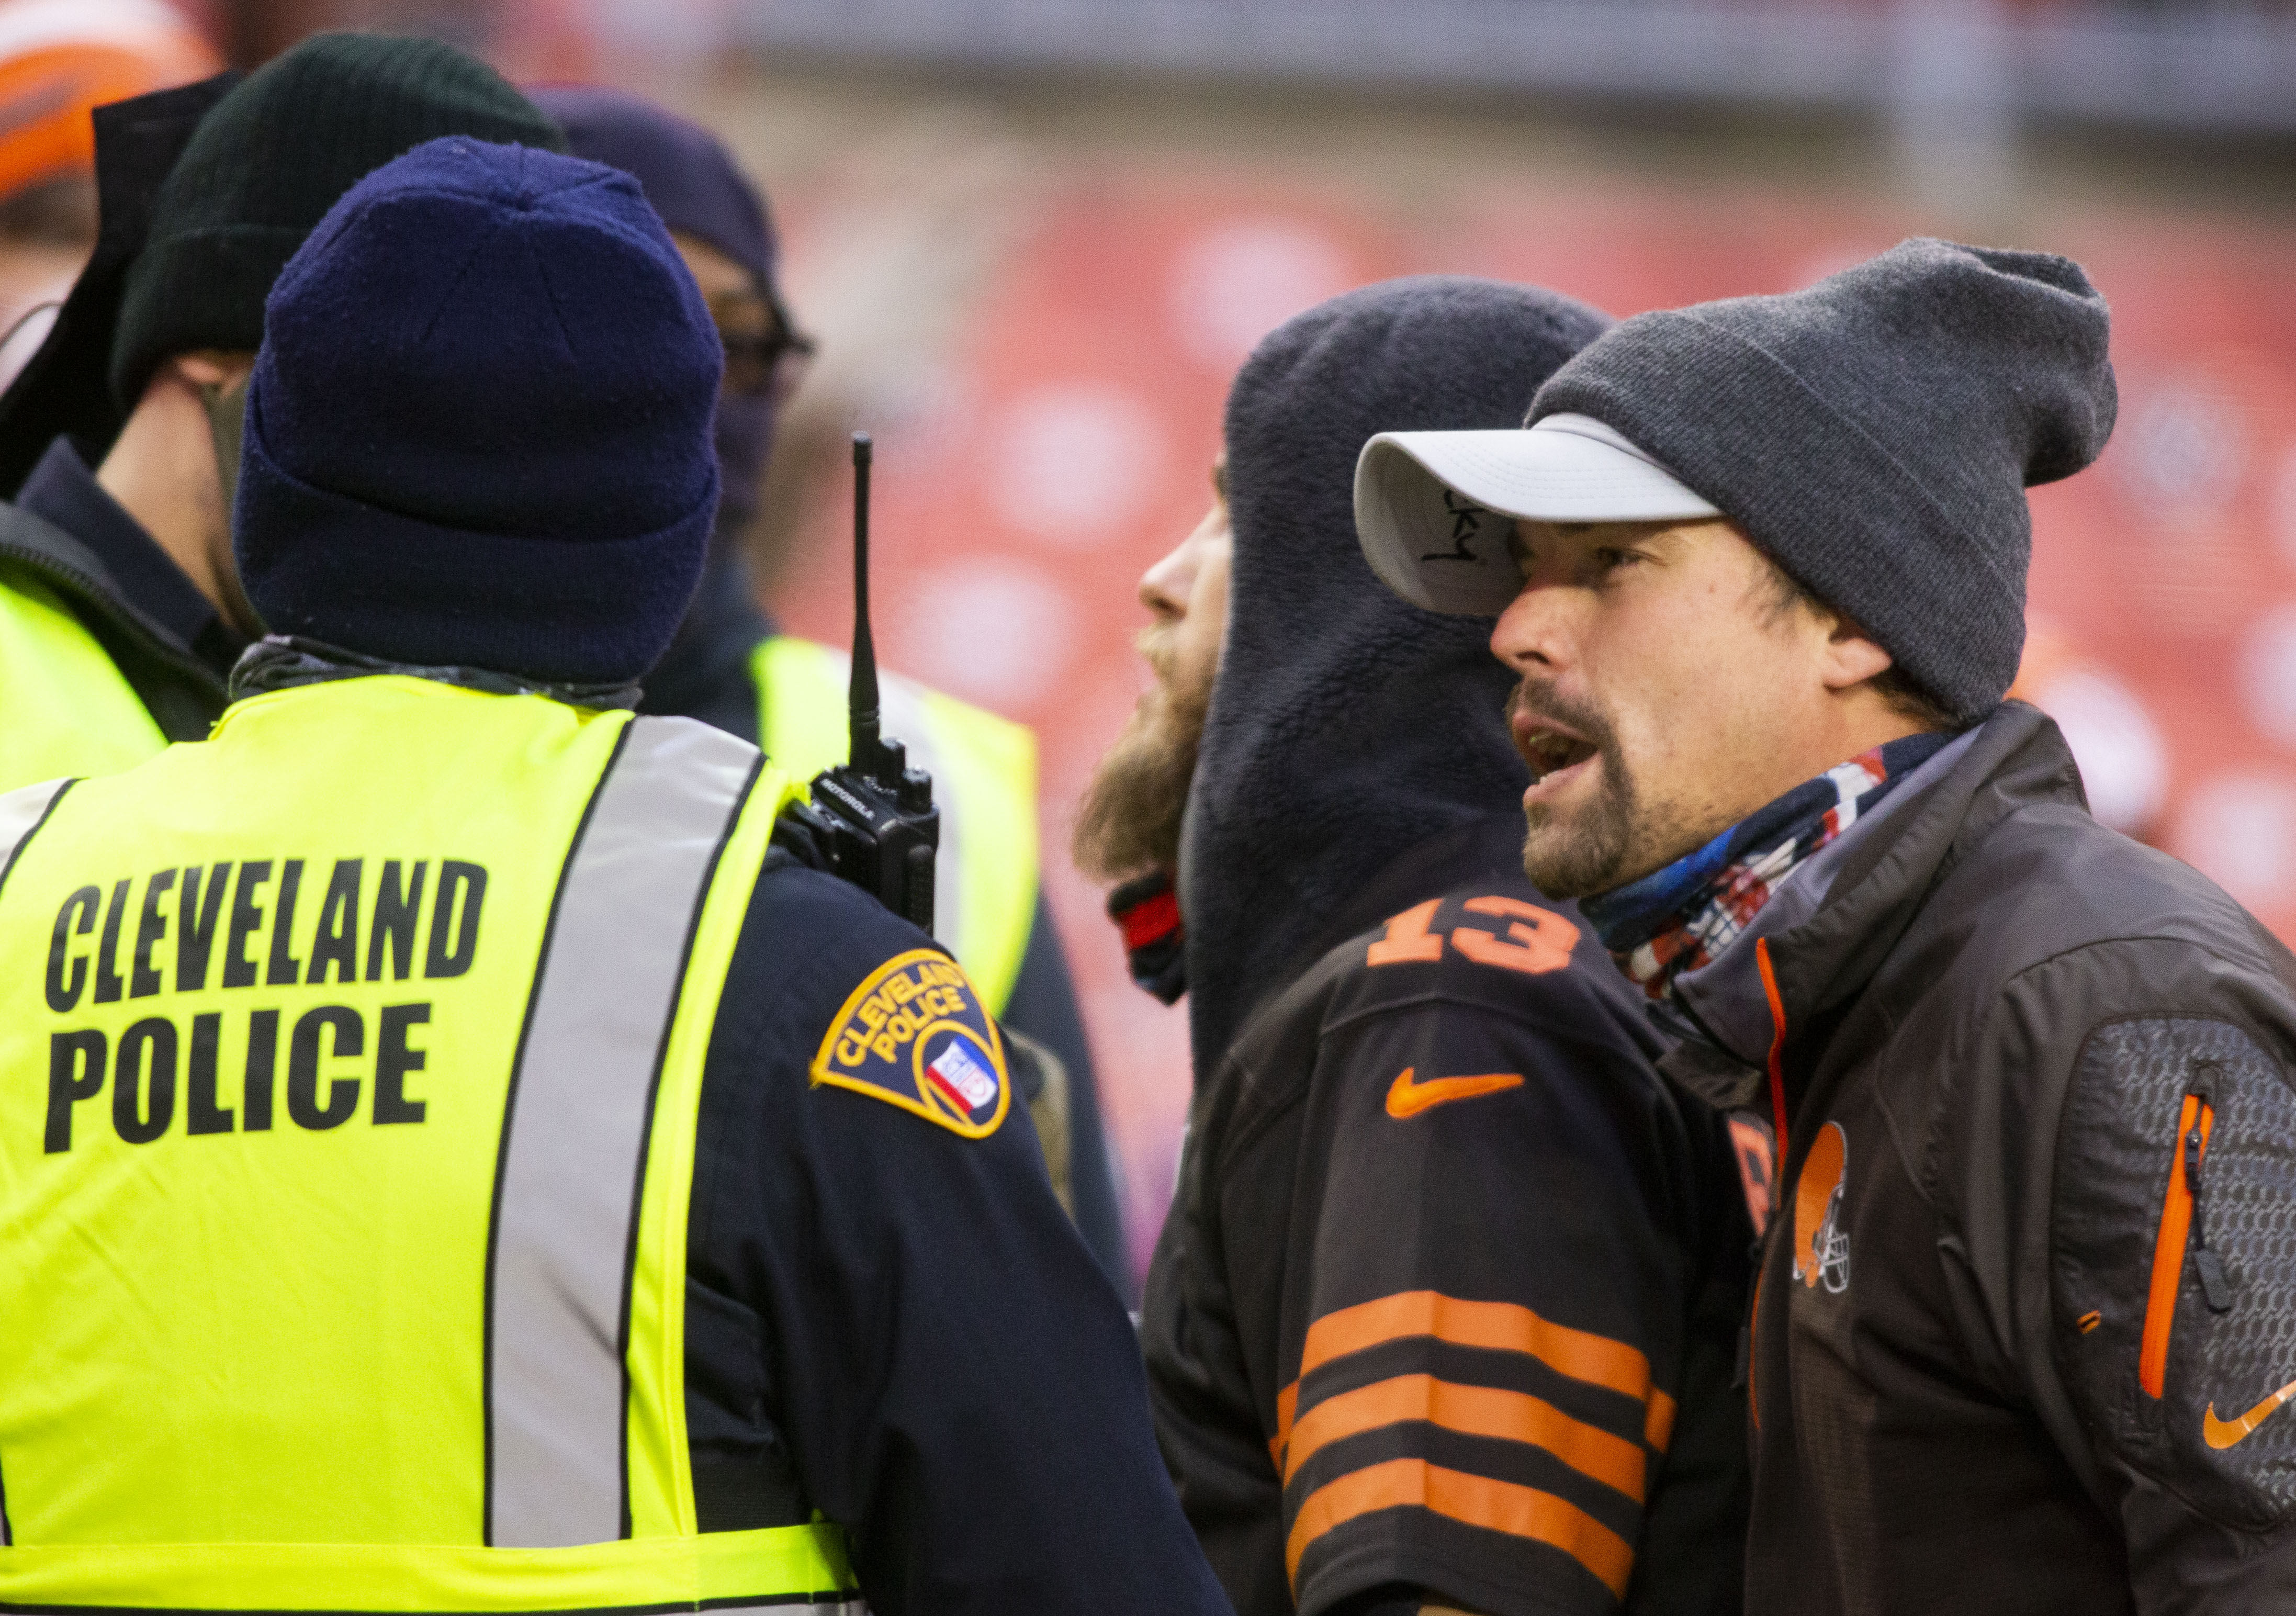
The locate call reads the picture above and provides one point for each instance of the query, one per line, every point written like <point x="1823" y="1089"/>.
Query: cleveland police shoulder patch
<point x="914" y="1034"/>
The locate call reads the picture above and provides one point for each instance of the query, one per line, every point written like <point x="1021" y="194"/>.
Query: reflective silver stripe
<point x="20" y="813"/>
<point x="575" y="1139"/>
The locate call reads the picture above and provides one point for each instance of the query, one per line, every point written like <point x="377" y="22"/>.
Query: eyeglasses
<point x="765" y="358"/>
<point x="767" y="364"/>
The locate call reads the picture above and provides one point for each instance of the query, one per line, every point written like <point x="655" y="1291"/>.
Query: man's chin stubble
<point x="1573" y="859"/>
<point x="1569" y="863"/>
<point x="1622" y="839"/>
<point x="1577" y="858"/>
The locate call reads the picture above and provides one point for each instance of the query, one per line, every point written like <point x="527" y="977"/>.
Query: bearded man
<point x="1445" y="1313"/>
<point x="1761" y="568"/>
<point x="1128" y="828"/>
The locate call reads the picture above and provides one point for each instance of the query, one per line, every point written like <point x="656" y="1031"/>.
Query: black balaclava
<point x="1346" y="727"/>
<point x="696" y="186"/>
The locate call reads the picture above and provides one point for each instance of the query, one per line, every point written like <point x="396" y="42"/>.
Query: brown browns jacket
<point x="2028" y="1304"/>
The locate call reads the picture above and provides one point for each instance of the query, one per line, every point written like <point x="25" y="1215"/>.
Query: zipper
<point x="85" y="597"/>
<point x="1777" y="1061"/>
<point x="2183" y="1227"/>
<point x="104" y="598"/>
<point x="83" y="587"/>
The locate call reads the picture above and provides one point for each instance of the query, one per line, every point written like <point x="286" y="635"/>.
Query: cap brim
<point x="1434" y="510"/>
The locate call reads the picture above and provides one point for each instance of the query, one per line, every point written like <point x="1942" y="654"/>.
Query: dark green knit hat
<point x="269" y="160"/>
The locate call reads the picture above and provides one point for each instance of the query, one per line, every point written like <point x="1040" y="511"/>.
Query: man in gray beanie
<point x="2028" y="1306"/>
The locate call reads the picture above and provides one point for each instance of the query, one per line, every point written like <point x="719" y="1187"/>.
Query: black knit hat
<point x="267" y="164"/>
<point x="1873" y="434"/>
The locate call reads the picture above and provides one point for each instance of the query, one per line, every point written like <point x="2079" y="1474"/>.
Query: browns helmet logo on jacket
<point x="1821" y="1248"/>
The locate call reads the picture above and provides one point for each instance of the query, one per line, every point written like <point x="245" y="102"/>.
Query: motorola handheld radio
<point x="876" y="819"/>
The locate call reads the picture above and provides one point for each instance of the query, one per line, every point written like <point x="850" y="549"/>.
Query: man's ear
<point x="1849" y="658"/>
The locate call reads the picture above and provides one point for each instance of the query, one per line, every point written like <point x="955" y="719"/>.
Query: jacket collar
<point x="83" y="576"/>
<point x="285" y="661"/>
<point x="66" y="386"/>
<point x="711" y="654"/>
<point x="1830" y="925"/>
<point x="62" y="491"/>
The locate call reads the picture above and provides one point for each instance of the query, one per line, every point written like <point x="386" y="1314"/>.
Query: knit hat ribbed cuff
<point x="200" y="289"/>
<point x="387" y="583"/>
<point x="1743" y="448"/>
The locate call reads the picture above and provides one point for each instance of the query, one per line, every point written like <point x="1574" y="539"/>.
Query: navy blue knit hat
<point x="477" y="431"/>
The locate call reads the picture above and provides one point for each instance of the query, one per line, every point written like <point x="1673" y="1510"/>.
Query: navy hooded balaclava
<point x="694" y="183"/>
<point x="1347" y="728"/>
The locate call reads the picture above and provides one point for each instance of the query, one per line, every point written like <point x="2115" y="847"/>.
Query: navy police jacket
<point x="895" y="1324"/>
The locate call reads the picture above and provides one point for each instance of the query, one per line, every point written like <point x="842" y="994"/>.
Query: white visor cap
<point x="1434" y="510"/>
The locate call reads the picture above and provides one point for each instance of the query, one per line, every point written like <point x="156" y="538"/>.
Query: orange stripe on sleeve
<point x="1479" y="1411"/>
<point x="1286" y="1401"/>
<point x="1657" y="1425"/>
<point x="1580" y="1354"/>
<point x="1499" y="1507"/>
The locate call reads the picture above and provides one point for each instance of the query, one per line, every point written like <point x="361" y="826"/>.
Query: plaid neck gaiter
<point x="1678" y="918"/>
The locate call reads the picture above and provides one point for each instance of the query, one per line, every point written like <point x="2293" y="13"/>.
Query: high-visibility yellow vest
<point x="984" y="771"/>
<point x="64" y="707"/>
<point x="351" y="1063"/>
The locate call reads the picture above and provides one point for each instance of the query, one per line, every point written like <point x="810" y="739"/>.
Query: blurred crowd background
<point x="1034" y="238"/>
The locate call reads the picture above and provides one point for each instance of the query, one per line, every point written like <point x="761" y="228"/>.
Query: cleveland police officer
<point x="452" y="1164"/>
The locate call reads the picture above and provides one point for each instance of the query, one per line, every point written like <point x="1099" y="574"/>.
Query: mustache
<point x="1540" y="700"/>
<point x="1175" y="692"/>
<point x="1153" y="646"/>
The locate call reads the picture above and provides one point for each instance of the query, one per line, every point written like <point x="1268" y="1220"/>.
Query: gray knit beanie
<point x="1875" y="434"/>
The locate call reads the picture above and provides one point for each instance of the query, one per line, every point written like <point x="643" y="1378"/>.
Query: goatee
<point x="1582" y="855"/>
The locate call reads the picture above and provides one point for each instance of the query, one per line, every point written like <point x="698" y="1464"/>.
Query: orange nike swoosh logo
<point x="1407" y="1097"/>
<point x="2224" y="1433"/>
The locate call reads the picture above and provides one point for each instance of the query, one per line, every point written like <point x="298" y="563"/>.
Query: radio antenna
<point x="861" y="696"/>
<point x="873" y="814"/>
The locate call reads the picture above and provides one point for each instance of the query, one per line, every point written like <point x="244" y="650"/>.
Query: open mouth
<point x="1549" y="751"/>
